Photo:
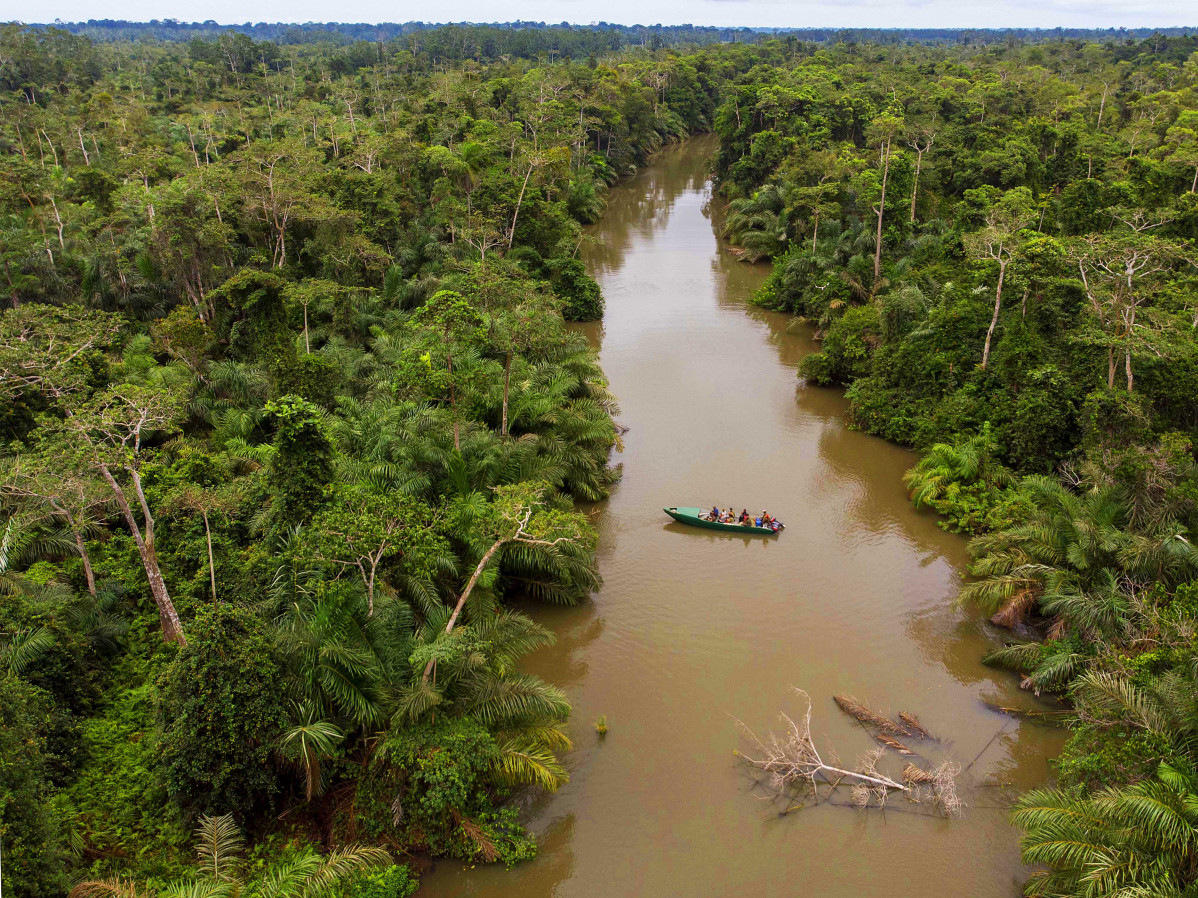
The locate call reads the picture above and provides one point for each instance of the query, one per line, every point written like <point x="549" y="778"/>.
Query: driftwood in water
<point x="854" y="708"/>
<point x="941" y="782"/>
<point x="793" y="760"/>
<point x="792" y="765"/>
<point x="911" y="722"/>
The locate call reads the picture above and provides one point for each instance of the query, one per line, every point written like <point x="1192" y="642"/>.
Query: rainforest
<point x="307" y="445"/>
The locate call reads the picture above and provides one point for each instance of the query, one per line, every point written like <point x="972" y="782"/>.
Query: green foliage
<point x="967" y="485"/>
<point x="441" y="777"/>
<point x="32" y="823"/>
<point x="315" y="323"/>
<point x="120" y="796"/>
<point x="1098" y="758"/>
<point x="301" y="470"/>
<point x="847" y="348"/>
<point x="222" y="715"/>
<point x="581" y="295"/>
<point x="396" y="881"/>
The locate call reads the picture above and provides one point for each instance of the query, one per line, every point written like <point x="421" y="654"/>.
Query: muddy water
<point x="693" y="629"/>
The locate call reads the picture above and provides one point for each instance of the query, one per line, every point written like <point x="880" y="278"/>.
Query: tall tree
<point x="999" y="241"/>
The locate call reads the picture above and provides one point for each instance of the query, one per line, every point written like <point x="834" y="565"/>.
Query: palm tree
<point x="1064" y="548"/>
<point x="220" y="873"/>
<point x="1135" y="840"/>
<point x="309" y="740"/>
<point x="1167" y="707"/>
<point x="476" y="677"/>
<point x="1141" y="840"/>
<point x="337" y="654"/>
<point x="756" y="225"/>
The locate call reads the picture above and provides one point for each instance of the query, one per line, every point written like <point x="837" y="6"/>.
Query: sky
<point x="754" y="13"/>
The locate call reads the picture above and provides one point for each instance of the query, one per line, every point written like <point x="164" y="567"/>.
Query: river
<point x="693" y="630"/>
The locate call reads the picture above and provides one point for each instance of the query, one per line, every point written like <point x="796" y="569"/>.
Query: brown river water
<point x="694" y="630"/>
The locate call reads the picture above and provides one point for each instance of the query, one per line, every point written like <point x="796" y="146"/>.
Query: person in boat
<point x="766" y="520"/>
<point x="714" y="514"/>
<point x="744" y="516"/>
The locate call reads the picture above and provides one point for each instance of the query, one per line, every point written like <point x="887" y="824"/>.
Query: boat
<point x="694" y="517"/>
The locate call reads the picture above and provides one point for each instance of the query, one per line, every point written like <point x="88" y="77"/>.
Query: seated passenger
<point x="714" y="514"/>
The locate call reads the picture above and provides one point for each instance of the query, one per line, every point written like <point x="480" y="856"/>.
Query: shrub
<point x="849" y="345"/>
<point x="120" y="795"/>
<point x="1095" y="758"/>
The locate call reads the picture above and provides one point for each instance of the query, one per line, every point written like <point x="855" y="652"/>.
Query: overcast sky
<point x="793" y="13"/>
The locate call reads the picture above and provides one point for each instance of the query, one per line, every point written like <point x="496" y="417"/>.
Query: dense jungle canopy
<point x="291" y="410"/>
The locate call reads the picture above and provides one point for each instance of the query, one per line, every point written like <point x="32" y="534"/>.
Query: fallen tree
<point x="793" y="764"/>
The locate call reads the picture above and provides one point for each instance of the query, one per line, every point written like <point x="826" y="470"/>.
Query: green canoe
<point x="692" y="516"/>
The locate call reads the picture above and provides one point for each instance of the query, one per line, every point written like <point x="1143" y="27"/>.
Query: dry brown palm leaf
<point x="1017" y="609"/>
<point x="475" y="834"/>
<point x="854" y="708"/>
<point x="893" y="744"/>
<point x="911" y="722"/>
<point x="916" y="776"/>
<point x="116" y="887"/>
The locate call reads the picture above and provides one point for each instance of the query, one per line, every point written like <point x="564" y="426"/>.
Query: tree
<point x="948" y="467"/>
<point x="301" y="469"/>
<point x="1134" y="841"/>
<point x="105" y="431"/>
<point x="361" y="528"/>
<point x="999" y="241"/>
<point x="74" y="497"/>
<point x="883" y="130"/>
<point x="1122" y="274"/>
<point x="477" y="680"/>
<point x="456" y="322"/>
<point x="920" y="140"/>
<point x="207" y="501"/>
<point x="307" y="741"/>
<point x="756" y="225"/>
<point x="279" y="189"/>
<point x="108" y="433"/>
<point x="1065" y="546"/>
<point x="517" y="517"/>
